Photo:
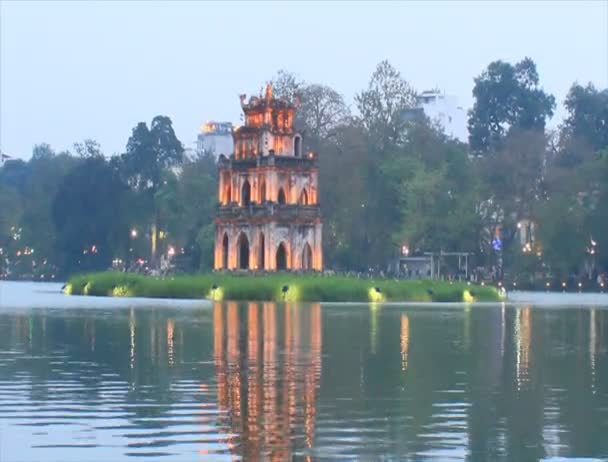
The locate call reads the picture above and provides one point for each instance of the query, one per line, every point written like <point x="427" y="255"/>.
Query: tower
<point x="268" y="217"/>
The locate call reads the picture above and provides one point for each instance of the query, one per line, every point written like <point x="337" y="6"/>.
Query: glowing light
<point x="121" y="291"/>
<point x="375" y="295"/>
<point x="405" y="250"/>
<point x="467" y="297"/>
<point x="519" y="225"/>
<point x="548" y="284"/>
<point x="580" y="284"/>
<point x="171" y="251"/>
<point x="563" y="284"/>
<point x="216" y="293"/>
<point x="133" y="233"/>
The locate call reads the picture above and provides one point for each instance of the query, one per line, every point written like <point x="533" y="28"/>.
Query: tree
<point x="197" y="194"/>
<point x="507" y="97"/>
<point x="90" y="213"/>
<point x="437" y="191"/>
<point x="42" y="151"/>
<point x="382" y="105"/>
<point x="322" y="110"/>
<point x="149" y="153"/>
<point x="88" y="148"/>
<point x="585" y="130"/>
<point x="286" y="85"/>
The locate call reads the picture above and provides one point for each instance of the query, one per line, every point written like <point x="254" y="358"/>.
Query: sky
<point x="83" y="69"/>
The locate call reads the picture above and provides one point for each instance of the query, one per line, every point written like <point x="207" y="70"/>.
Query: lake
<point x="96" y="379"/>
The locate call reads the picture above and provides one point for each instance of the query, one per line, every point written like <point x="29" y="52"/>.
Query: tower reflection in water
<point x="268" y="366"/>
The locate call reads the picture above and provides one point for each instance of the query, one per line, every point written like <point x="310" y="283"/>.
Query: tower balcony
<point x="272" y="160"/>
<point x="269" y="211"/>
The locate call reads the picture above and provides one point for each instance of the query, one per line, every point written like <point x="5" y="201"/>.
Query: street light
<point x="133" y="233"/>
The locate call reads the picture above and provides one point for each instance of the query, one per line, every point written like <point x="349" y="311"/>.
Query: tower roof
<point x="262" y="102"/>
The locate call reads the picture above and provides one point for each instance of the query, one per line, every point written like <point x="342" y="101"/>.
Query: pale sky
<point x="83" y="69"/>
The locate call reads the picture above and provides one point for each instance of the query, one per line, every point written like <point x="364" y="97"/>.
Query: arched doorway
<point x="297" y="146"/>
<point x="242" y="246"/>
<point x="246" y="193"/>
<point x="307" y="258"/>
<point x="263" y="192"/>
<point x="281" y="257"/>
<point x="304" y="197"/>
<point x="261" y="250"/>
<point x="281" y="197"/>
<point x="225" y="251"/>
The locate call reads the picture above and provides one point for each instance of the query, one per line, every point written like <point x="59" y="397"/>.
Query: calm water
<point x="85" y="379"/>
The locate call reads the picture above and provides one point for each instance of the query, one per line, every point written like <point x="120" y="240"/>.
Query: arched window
<point x="307" y="258"/>
<point x="281" y="257"/>
<point x="243" y="251"/>
<point x="304" y="197"/>
<point x="261" y="250"/>
<point x="297" y="146"/>
<point x="225" y="252"/>
<point x="228" y="194"/>
<point x="263" y="192"/>
<point x="281" y="197"/>
<point x="246" y="193"/>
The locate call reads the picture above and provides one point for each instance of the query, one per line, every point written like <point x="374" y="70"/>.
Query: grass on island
<point x="277" y="287"/>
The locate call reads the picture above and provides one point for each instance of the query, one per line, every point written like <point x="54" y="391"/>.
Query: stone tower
<point x="269" y="217"/>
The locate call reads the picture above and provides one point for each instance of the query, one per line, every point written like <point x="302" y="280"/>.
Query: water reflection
<point x="265" y="381"/>
<point x="269" y="404"/>
<point x="405" y="340"/>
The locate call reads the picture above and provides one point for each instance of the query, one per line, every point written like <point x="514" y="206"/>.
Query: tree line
<point x="520" y="198"/>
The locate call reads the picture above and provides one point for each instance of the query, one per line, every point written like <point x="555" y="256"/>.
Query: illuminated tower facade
<point x="268" y="217"/>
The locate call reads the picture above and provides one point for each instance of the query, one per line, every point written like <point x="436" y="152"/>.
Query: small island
<point x="288" y="287"/>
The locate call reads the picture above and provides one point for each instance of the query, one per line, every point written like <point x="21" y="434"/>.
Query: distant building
<point x="215" y="137"/>
<point x="443" y="109"/>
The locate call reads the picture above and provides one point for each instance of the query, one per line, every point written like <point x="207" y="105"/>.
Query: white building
<point x="445" y="110"/>
<point x="215" y="137"/>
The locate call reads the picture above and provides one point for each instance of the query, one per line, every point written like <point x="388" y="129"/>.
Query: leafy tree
<point x="42" y="151"/>
<point x="198" y="196"/>
<point x="91" y="216"/>
<point x="507" y="96"/>
<point x="437" y="189"/>
<point x="346" y="228"/>
<point x="150" y="152"/>
<point x="88" y="148"/>
<point x="585" y="130"/>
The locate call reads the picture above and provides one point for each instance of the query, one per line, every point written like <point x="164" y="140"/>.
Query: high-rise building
<point x="269" y="217"/>
<point x="442" y="109"/>
<point x="215" y="138"/>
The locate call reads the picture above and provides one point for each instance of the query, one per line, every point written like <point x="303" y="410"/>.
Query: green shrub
<point x="277" y="287"/>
